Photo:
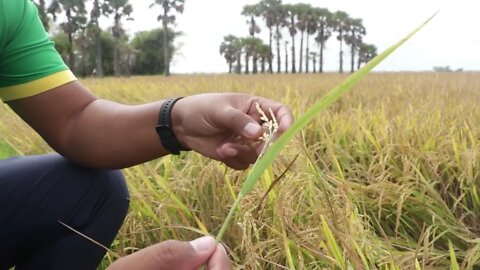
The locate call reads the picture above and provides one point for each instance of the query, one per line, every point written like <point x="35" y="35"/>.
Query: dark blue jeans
<point x="39" y="192"/>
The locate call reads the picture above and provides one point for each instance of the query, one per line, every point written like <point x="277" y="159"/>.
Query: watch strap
<point x="164" y="127"/>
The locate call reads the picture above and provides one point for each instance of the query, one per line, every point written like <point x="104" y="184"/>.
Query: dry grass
<point x="385" y="179"/>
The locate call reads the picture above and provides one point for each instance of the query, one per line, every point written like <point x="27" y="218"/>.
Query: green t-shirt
<point x="29" y="63"/>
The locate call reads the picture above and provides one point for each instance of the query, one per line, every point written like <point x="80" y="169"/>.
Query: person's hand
<point x="177" y="255"/>
<point x="220" y="126"/>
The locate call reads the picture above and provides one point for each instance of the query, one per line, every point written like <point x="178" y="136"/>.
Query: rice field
<point x="386" y="178"/>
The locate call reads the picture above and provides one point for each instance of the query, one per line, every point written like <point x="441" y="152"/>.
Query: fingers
<point x="245" y="123"/>
<point x="238" y="156"/>
<point x="219" y="260"/>
<point x="239" y="123"/>
<point x="170" y="254"/>
<point x="284" y="117"/>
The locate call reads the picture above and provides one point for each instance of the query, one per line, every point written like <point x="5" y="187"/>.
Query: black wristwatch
<point x="164" y="128"/>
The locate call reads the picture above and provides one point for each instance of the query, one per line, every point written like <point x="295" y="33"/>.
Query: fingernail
<point x="252" y="129"/>
<point x="203" y="244"/>
<point x="231" y="152"/>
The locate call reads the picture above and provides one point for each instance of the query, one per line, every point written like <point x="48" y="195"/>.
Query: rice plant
<point x="385" y="178"/>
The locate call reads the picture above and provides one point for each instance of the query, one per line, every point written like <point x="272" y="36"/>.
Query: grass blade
<point x="332" y="96"/>
<point x="453" y="259"/>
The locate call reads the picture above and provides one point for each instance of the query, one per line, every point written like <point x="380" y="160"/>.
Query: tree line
<point x="90" y="50"/>
<point x="299" y="22"/>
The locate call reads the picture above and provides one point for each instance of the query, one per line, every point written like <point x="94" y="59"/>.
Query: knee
<point x="115" y="182"/>
<point x="115" y="188"/>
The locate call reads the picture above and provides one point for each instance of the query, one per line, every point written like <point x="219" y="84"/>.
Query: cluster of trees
<point x="301" y="22"/>
<point x="88" y="49"/>
<point x="446" y="69"/>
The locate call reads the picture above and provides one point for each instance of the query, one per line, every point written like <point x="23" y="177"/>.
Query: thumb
<point x="170" y="254"/>
<point x="240" y="123"/>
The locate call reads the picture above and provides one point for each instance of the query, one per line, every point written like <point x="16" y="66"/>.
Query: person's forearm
<point x="90" y="131"/>
<point x="110" y="135"/>
<point x="103" y="134"/>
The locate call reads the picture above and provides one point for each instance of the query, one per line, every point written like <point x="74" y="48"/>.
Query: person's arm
<point x="90" y="131"/>
<point x="104" y="134"/>
<point x="97" y="133"/>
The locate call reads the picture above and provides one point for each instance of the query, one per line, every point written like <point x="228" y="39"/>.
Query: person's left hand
<point x="177" y="255"/>
<point x="224" y="126"/>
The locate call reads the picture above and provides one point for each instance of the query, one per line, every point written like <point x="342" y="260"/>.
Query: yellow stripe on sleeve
<point x="36" y="87"/>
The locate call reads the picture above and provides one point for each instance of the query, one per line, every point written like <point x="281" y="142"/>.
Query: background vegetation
<point x="387" y="178"/>
<point x="291" y="23"/>
<point x="90" y="50"/>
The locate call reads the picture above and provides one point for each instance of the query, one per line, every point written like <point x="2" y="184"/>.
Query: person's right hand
<point x="177" y="255"/>
<point x="218" y="125"/>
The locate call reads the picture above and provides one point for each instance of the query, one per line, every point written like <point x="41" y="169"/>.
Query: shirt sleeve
<point x="29" y="63"/>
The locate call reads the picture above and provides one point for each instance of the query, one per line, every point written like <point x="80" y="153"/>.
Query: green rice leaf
<point x="453" y="259"/>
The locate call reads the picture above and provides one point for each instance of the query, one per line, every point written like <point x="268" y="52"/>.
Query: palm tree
<point x="265" y="55"/>
<point x="286" y="56"/>
<point x="42" y="13"/>
<point x="252" y="11"/>
<point x="354" y="39"/>
<point x="281" y="21"/>
<point x="76" y="19"/>
<point x="302" y="11"/>
<point x="247" y="50"/>
<point x="341" y="26"/>
<point x="366" y="52"/>
<point x="313" y="56"/>
<point x="238" y="66"/>
<point x="229" y="49"/>
<point x="82" y="41"/>
<point x="312" y="25"/>
<point x="167" y="18"/>
<point x="291" y="13"/>
<point x="120" y="9"/>
<point x="324" y="31"/>
<point x="251" y="45"/>
<point x="271" y="13"/>
<point x="99" y="8"/>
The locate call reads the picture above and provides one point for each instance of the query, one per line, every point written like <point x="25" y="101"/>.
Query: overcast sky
<point x="452" y="38"/>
